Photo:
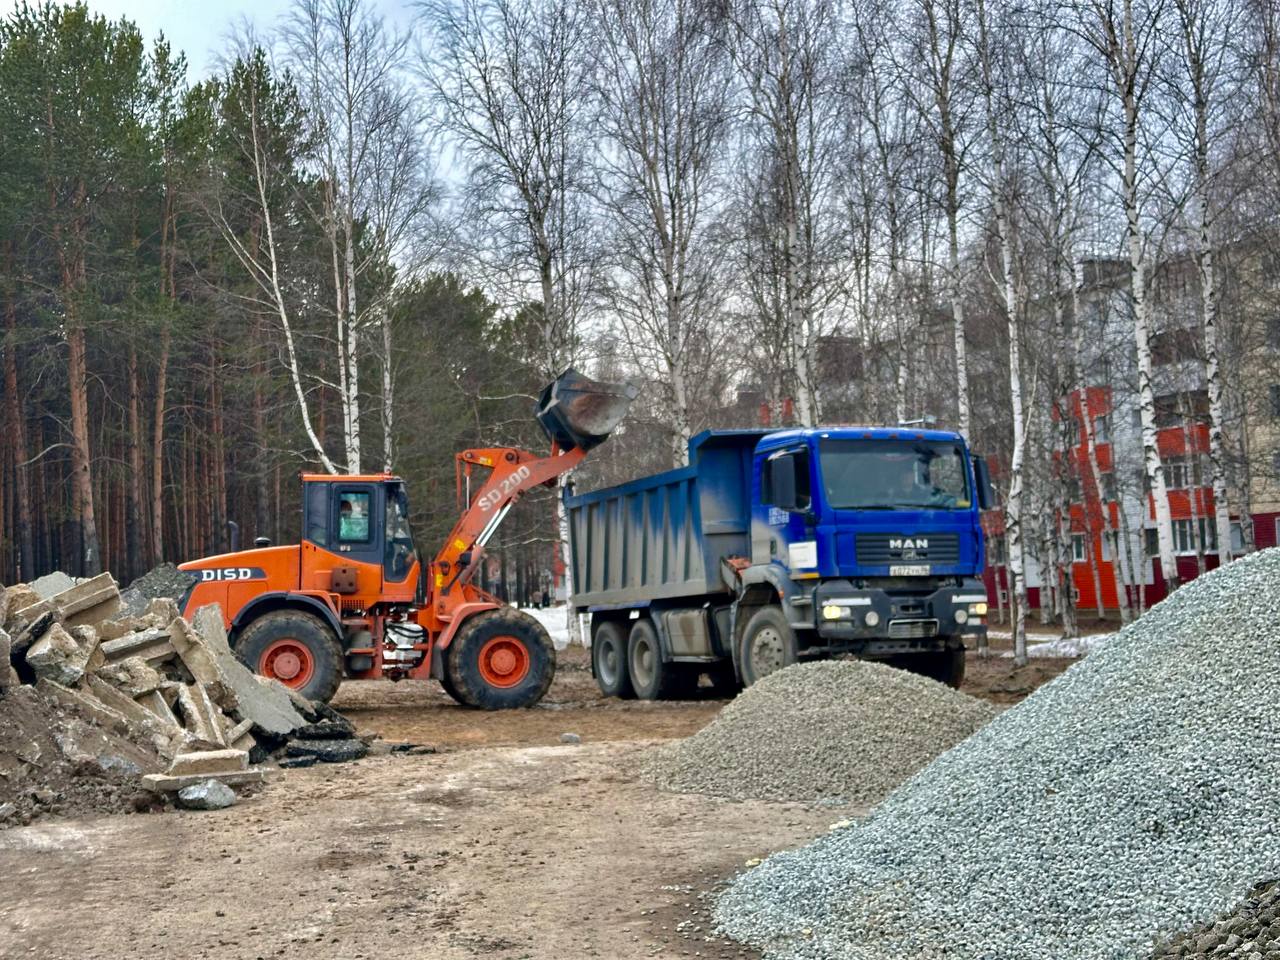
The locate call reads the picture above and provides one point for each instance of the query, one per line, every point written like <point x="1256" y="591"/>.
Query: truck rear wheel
<point x="768" y="645"/>
<point x="500" y="660"/>
<point x="295" y="648"/>
<point x="609" y="660"/>
<point x="651" y="677"/>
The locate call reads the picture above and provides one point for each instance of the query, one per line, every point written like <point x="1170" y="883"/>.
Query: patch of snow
<point x="1060" y="646"/>
<point x="555" y="622"/>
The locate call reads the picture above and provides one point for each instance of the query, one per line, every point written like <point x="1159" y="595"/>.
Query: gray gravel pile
<point x="834" y="731"/>
<point x="164" y="580"/>
<point x="1248" y="931"/>
<point x="1137" y="793"/>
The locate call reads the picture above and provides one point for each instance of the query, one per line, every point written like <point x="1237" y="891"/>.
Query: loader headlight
<point x="832" y="612"/>
<point x="977" y="609"/>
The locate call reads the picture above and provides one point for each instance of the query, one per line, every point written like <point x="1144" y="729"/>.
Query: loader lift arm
<point x="513" y="473"/>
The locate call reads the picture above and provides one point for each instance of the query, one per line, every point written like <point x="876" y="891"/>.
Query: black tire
<point x="325" y="731"/>
<point x="482" y="650"/>
<point x="651" y="677"/>
<point x="328" y="751"/>
<point x="452" y="691"/>
<point x="609" y="660"/>
<point x="308" y="632"/>
<point x="768" y="644"/>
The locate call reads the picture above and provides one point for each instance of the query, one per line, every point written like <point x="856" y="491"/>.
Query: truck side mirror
<point x="982" y="475"/>
<point x="782" y="482"/>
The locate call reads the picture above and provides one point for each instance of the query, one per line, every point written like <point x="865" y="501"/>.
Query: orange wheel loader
<point x="355" y="599"/>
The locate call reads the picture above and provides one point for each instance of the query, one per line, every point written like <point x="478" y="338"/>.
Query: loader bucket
<point x="577" y="412"/>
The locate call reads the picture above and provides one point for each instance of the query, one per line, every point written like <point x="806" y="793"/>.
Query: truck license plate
<point x="911" y="570"/>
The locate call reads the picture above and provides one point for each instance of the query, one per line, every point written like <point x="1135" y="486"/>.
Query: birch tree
<point x="511" y="82"/>
<point x="1205" y="33"/>
<point x="261" y="135"/>
<point x="944" y="105"/>
<point x="785" y="54"/>
<point x="995" y="109"/>
<point x="1125" y="33"/>
<point x="663" y="82"/>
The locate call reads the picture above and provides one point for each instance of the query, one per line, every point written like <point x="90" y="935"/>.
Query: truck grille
<point x="912" y="629"/>
<point x="878" y="549"/>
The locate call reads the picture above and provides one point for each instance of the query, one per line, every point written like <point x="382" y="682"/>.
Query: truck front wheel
<point x="768" y="644"/>
<point x="609" y="658"/>
<point x="295" y="648"/>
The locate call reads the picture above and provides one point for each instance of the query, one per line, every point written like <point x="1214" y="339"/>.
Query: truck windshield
<point x="892" y="474"/>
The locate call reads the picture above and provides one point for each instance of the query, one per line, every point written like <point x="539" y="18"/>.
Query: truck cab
<point x="774" y="546"/>
<point x="872" y="540"/>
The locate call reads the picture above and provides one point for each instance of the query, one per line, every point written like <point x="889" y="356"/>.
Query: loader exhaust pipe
<point x="577" y="412"/>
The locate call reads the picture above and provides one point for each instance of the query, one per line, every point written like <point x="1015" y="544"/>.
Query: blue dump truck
<point x="774" y="546"/>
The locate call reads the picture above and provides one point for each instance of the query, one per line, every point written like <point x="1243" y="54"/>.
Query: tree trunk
<point x="157" y="449"/>
<point x="23" y="505"/>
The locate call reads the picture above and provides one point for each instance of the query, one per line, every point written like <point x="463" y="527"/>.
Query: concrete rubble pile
<point x="1132" y="797"/>
<point x="167" y="699"/>
<point x="829" y="731"/>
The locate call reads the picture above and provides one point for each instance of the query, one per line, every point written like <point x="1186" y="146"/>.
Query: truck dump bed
<point x="663" y="536"/>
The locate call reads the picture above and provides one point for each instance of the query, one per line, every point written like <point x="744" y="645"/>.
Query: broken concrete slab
<point x="89" y="602"/>
<point x="209" y="762"/>
<point x="199" y="714"/>
<point x="125" y="705"/>
<point x="133" y="676"/>
<point x="133" y="603"/>
<point x="161" y="609"/>
<point x="201" y="661"/>
<point x="266" y="703"/>
<point x="156" y="703"/>
<point x="51" y="584"/>
<point x="6" y="671"/>
<point x="57" y="656"/>
<point x="118" y="627"/>
<point x="167" y="783"/>
<point x="88" y="705"/>
<point x="152" y="645"/>
<point x="17" y="598"/>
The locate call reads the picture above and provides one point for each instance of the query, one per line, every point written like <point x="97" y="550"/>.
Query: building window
<point x="1101" y="430"/>
<point x="1109" y="486"/>
<point x="1275" y="463"/>
<point x="1184" y="536"/>
<point x="1078" y="552"/>
<point x="1177" y="474"/>
<point x="1237" y="537"/>
<point x="1151" y="539"/>
<point x="1274" y="392"/>
<point x="1273" y="333"/>
<point x="1136" y="419"/>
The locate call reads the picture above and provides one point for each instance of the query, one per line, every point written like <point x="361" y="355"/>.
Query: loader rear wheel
<point x="295" y="648"/>
<point x="609" y="658"/>
<point x="499" y="660"/>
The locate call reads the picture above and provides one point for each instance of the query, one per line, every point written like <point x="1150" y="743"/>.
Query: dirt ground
<point x="504" y="844"/>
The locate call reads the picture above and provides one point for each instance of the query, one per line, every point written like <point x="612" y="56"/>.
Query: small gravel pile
<point x="1251" y="929"/>
<point x="1137" y="793"/>
<point x="831" y="731"/>
<point x="164" y="580"/>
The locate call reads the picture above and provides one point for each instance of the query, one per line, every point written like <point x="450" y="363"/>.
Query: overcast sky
<point x="199" y="27"/>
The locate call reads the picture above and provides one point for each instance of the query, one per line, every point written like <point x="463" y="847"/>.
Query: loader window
<point x="317" y="502"/>
<point x="353" y="517"/>
<point x="399" y="553"/>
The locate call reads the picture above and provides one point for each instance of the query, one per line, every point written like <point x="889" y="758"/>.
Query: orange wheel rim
<point x="288" y="661"/>
<point x="504" y="662"/>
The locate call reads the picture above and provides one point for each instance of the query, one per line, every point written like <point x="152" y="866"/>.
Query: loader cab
<point x="356" y="537"/>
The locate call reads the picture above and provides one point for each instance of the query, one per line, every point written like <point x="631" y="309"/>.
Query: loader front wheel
<point x="500" y="660"/>
<point x="295" y="648"/>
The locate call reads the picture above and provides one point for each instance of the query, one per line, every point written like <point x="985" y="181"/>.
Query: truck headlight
<point x="978" y="609"/>
<point x="872" y="618"/>
<point x="962" y="615"/>
<point x="832" y="612"/>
